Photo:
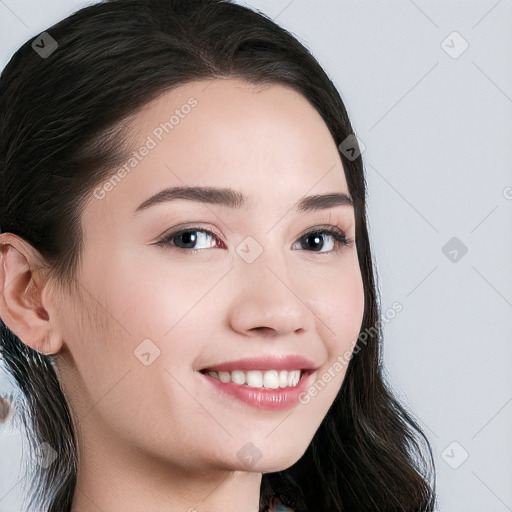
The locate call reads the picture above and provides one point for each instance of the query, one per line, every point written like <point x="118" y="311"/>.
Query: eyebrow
<point x="235" y="199"/>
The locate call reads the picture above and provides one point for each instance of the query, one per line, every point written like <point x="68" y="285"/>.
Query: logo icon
<point x="44" y="45"/>
<point x="44" y="455"/>
<point x="454" y="249"/>
<point x="146" y="352"/>
<point x="249" y="250"/>
<point x="454" y="455"/>
<point x="249" y="454"/>
<point x="352" y="147"/>
<point x="454" y="45"/>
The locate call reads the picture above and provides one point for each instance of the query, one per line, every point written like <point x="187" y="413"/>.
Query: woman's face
<point x="154" y="314"/>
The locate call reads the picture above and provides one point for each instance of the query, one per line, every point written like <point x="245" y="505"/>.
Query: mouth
<point x="267" y="382"/>
<point x="260" y="379"/>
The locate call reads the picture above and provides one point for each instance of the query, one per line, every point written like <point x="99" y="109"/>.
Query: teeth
<point x="237" y="377"/>
<point x="270" y="379"/>
<point x="254" y="379"/>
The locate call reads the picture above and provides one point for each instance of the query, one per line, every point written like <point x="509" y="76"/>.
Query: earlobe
<point x="22" y="307"/>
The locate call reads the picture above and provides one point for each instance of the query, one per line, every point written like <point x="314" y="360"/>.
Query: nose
<point x="270" y="300"/>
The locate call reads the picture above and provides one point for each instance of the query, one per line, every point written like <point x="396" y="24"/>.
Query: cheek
<point x="142" y="301"/>
<point x="340" y="307"/>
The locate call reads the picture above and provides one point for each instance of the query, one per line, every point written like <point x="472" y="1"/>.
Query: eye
<point x="317" y="236"/>
<point x="312" y="241"/>
<point x="188" y="238"/>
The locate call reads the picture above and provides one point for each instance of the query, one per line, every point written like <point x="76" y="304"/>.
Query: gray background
<point x="436" y="122"/>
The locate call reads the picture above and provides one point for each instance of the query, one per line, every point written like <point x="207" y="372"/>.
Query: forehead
<point x="265" y="140"/>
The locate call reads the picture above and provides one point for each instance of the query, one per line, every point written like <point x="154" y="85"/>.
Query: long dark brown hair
<point x="61" y="123"/>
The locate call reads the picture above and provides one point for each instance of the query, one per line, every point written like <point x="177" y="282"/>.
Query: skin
<point x="158" y="437"/>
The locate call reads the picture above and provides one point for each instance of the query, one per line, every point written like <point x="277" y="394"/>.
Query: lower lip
<point x="279" y="399"/>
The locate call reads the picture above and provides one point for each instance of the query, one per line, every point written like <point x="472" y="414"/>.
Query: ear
<point x="24" y="302"/>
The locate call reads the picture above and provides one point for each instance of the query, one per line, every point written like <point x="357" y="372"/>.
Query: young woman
<point x="188" y="298"/>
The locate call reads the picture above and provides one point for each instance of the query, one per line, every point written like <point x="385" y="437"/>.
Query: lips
<point x="274" y="399"/>
<point x="290" y="362"/>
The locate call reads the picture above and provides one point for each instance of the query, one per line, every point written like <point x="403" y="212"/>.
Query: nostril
<point x="266" y="331"/>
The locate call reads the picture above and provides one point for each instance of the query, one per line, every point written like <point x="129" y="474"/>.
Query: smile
<point x="254" y="393"/>
<point x="269" y="379"/>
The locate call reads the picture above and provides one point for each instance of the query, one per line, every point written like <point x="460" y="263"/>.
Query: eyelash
<point x="341" y="240"/>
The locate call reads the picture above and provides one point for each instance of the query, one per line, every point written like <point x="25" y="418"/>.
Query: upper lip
<point x="290" y="362"/>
